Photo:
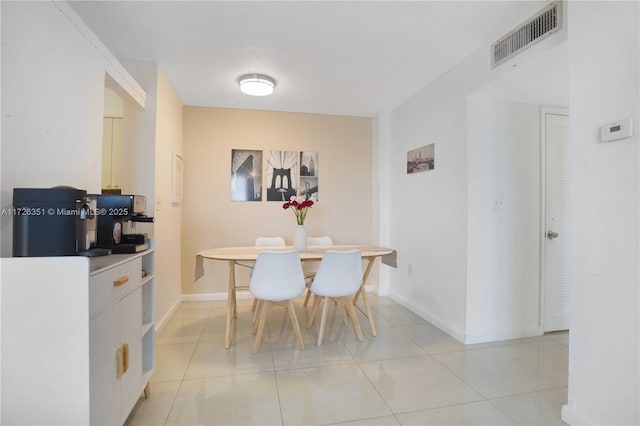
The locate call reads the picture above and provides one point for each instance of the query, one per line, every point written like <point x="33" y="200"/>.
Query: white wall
<point x="503" y="158"/>
<point x="429" y="210"/>
<point x="54" y="71"/>
<point x="210" y="219"/>
<point x="604" y="85"/>
<point x="52" y="103"/>
<point x="382" y="188"/>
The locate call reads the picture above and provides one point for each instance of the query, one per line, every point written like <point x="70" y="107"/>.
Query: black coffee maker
<point x="113" y="213"/>
<point x="50" y="222"/>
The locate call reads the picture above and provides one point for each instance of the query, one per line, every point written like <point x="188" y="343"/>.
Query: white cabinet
<point x="77" y="338"/>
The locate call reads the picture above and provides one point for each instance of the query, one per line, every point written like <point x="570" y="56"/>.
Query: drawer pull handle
<point x="125" y="355"/>
<point x="119" y="360"/>
<point x="121" y="280"/>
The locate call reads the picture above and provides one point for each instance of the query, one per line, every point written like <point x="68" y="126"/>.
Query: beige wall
<point x="210" y="219"/>
<point x="168" y="215"/>
<point x="156" y="133"/>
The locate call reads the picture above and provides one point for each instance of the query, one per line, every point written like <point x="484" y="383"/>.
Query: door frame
<point x="544" y="111"/>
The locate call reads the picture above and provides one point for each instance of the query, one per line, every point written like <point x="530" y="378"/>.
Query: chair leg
<point x="254" y="304"/>
<point x="323" y="320"/>
<point x="256" y="317"/>
<point x="263" y="318"/>
<point x="314" y="310"/>
<point x="348" y="303"/>
<point x="296" y="326"/>
<point x="345" y="314"/>
<point x="306" y="298"/>
<point x="235" y="305"/>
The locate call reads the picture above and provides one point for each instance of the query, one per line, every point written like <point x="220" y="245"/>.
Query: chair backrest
<point x="270" y="242"/>
<point x="339" y="274"/>
<point x="319" y="241"/>
<point x="277" y="276"/>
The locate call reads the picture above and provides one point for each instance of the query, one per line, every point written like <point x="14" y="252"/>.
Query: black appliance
<point x="113" y="213"/>
<point x="50" y="222"/>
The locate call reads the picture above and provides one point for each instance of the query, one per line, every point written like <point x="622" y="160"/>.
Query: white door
<point x="130" y="335"/>
<point x="104" y="397"/>
<point x="556" y="222"/>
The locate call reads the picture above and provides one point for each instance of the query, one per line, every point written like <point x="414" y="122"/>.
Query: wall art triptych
<point x="288" y="173"/>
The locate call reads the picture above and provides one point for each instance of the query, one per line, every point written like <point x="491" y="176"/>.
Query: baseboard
<point x="497" y="336"/>
<point x="570" y="416"/>
<point x="451" y="331"/>
<point x="244" y="294"/>
<point x="208" y="297"/>
<point x="160" y="325"/>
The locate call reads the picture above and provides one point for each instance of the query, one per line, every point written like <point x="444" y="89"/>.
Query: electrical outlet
<point x="498" y="204"/>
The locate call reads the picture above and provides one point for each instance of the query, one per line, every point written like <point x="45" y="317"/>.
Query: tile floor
<point x="410" y="374"/>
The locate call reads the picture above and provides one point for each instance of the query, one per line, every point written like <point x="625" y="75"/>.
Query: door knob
<point x="551" y="235"/>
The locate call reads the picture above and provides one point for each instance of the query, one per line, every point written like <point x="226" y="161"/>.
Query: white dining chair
<point x="264" y="242"/>
<point x="310" y="268"/>
<point x="277" y="278"/>
<point x="339" y="277"/>
<point x="270" y="242"/>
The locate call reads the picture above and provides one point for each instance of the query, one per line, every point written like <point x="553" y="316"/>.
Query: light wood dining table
<point x="236" y="255"/>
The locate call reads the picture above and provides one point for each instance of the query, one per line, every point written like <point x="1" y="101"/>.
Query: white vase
<point x="300" y="238"/>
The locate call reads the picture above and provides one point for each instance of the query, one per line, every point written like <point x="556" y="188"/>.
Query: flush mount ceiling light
<point x="256" y="84"/>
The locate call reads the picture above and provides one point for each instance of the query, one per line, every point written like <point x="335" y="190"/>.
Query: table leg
<point x="364" y="296"/>
<point x="230" y="303"/>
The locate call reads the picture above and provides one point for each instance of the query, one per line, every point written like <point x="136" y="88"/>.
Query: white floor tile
<point x="214" y="328"/>
<point x="411" y="369"/>
<point x="376" y="421"/>
<point x="172" y="361"/>
<point x="232" y="400"/>
<point x="211" y="359"/>
<point x="561" y="337"/>
<point x="398" y="316"/>
<point x="193" y="310"/>
<point x="328" y="394"/>
<point x="493" y="373"/>
<point x="182" y="331"/>
<point x="389" y="344"/>
<point x="155" y="410"/>
<point x="431" y="339"/>
<point x="537" y="408"/>
<point x="475" y="413"/>
<point x="549" y="357"/>
<point x="286" y="354"/>
<point x="417" y="383"/>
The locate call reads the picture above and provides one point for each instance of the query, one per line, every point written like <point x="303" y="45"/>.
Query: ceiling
<point x="328" y="57"/>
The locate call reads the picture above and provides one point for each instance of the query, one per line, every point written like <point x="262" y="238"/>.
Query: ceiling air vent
<point x="536" y="29"/>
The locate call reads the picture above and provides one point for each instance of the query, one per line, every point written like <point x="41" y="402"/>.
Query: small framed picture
<point x="421" y="159"/>
<point x="177" y="172"/>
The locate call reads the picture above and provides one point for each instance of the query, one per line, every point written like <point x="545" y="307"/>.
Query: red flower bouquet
<point x="300" y="206"/>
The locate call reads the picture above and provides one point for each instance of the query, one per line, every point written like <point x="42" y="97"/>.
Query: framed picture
<point x="309" y="170"/>
<point x="282" y="175"/>
<point x="246" y="175"/>
<point x="421" y="159"/>
<point x="177" y="172"/>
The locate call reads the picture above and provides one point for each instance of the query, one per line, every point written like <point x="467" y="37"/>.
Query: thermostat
<point x="617" y="130"/>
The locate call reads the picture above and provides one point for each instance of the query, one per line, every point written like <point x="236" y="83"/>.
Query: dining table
<point x="243" y="255"/>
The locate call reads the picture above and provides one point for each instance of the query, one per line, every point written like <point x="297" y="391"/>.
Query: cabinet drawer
<point x="111" y="284"/>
